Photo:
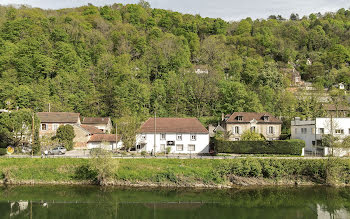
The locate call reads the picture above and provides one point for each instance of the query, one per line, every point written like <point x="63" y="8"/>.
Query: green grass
<point x="176" y="171"/>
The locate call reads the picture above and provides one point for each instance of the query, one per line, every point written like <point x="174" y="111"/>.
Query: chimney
<point x="222" y="116"/>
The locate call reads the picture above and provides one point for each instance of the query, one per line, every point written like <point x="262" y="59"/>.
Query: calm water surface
<point x="95" y="202"/>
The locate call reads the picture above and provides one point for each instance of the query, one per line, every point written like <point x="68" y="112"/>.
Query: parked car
<point x="58" y="150"/>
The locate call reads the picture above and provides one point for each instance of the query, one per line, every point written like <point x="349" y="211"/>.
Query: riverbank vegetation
<point x="176" y="172"/>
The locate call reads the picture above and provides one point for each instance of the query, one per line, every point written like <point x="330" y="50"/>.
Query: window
<point x="266" y="118"/>
<point x="271" y="130"/>
<point x="303" y="130"/>
<point x="339" y="131"/>
<point x="162" y="147"/>
<point x="162" y="136"/>
<point x="193" y="137"/>
<point x="253" y="129"/>
<point x="55" y="126"/>
<point x="236" y="139"/>
<point x="191" y="147"/>
<point x="321" y="130"/>
<point x="43" y="127"/>
<point x="138" y="147"/>
<point x="313" y="143"/>
<point x="240" y="118"/>
<point x="143" y="137"/>
<point x="236" y="130"/>
<point x="179" y="147"/>
<point x="179" y="137"/>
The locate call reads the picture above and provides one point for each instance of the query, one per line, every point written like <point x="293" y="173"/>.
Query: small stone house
<point x="102" y="123"/>
<point x="50" y="121"/>
<point x="105" y="141"/>
<point x="83" y="134"/>
<point x="262" y="123"/>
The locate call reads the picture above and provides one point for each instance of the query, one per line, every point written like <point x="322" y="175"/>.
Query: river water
<point x="96" y="202"/>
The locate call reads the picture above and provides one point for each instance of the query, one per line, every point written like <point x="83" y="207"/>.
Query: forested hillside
<point x="131" y="59"/>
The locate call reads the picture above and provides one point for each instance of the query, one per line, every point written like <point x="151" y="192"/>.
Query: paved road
<point x="86" y="154"/>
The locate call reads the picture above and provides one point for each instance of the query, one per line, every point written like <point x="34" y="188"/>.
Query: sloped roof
<point x="249" y="116"/>
<point x="332" y="107"/>
<point x="92" y="129"/>
<point x="174" y="125"/>
<point x="95" y="120"/>
<point x="103" y="137"/>
<point x="58" y="117"/>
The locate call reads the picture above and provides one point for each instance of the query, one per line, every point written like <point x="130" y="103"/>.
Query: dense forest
<point x="130" y="60"/>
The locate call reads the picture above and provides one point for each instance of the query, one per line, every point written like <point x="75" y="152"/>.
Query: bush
<point x="143" y="153"/>
<point x="3" y="151"/>
<point x="290" y="147"/>
<point x="65" y="135"/>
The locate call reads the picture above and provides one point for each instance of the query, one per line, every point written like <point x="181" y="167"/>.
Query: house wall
<point x="308" y="136"/>
<point x="104" y="145"/>
<point x="106" y="128"/>
<point x="259" y="128"/>
<point x="321" y="123"/>
<point x="201" y="143"/>
<point x="50" y="128"/>
<point x="81" y="137"/>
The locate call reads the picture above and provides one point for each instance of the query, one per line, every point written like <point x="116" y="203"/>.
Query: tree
<point x="346" y="142"/>
<point x="128" y="126"/>
<point x="65" y="134"/>
<point x="16" y="127"/>
<point x="252" y="136"/>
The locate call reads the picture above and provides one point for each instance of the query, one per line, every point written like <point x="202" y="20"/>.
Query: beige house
<point x="263" y="123"/>
<point x="102" y="123"/>
<point x="83" y="134"/>
<point x="50" y="121"/>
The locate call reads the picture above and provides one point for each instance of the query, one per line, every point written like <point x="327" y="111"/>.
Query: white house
<point x="305" y="130"/>
<point x="104" y="141"/>
<point x="180" y="135"/>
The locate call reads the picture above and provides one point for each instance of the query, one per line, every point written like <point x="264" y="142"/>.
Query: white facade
<point x="105" y="145"/>
<point x="305" y="129"/>
<point x="180" y="143"/>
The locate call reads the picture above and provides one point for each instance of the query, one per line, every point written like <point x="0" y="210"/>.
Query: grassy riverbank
<point x="175" y="172"/>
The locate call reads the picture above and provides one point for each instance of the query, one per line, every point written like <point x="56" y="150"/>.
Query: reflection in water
<point x="92" y="202"/>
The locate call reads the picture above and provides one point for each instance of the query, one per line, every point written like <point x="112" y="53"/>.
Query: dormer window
<point x="266" y="118"/>
<point x="240" y="118"/>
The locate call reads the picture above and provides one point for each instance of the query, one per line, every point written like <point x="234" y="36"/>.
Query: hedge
<point x="290" y="147"/>
<point x="3" y="151"/>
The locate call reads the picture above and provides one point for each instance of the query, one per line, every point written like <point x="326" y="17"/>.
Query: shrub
<point x="3" y="151"/>
<point x="143" y="153"/>
<point x="291" y="147"/>
<point x="65" y="134"/>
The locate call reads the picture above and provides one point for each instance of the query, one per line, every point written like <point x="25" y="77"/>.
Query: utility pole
<point x="49" y="107"/>
<point x="154" y="146"/>
<point x="116" y="136"/>
<point x="315" y="137"/>
<point x="32" y="134"/>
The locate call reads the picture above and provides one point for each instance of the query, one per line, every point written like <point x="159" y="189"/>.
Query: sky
<point x="229" y="10"/>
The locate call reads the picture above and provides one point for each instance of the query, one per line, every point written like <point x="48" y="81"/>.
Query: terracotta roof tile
<point x="92" y="129"/>
<point x="58" y="117"/>
<point x="95" y="120"/>
<point x="174" y="125"/>
<point x="103" y="137"/>
<point x="249" y="116"/>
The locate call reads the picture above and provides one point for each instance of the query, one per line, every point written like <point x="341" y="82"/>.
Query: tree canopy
<point x="129" y="60"/>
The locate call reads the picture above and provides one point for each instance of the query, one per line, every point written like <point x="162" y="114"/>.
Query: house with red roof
<point x="263" y="123"/>
<point x="102" y="123"/>
<point x="179" y="135"/>
<point x="104" y="141"/>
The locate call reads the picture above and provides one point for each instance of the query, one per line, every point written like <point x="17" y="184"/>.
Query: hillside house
<point x="180" y="135"/>
<point x="262" y="123"/>
<point x="50" y="121"/>
<point x="102" y="123"/>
